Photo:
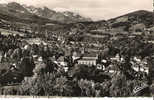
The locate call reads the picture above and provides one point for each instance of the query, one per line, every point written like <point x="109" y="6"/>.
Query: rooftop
<point x="86" y="56"/>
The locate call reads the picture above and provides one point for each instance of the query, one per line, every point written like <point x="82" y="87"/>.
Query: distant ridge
<point x="137" y="17"/>
<point x="26" y="12"/>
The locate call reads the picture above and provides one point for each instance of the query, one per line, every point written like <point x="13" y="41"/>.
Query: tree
<point x="87" y="88"/>
<point x="26" y="66"/>
<point x="119" y="86"/>
<point x="37" y="85"/>
<point x="62" y="87"/>
<point x="47" y="84"/>
<point x="79" y="71"/>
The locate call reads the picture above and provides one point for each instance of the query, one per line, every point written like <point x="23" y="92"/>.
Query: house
<point x="117" y="58"/>
<point x="112" y="69"/>
<point x="142" y="63"/>
<point x="85" y="58"/>
<point x="151" y="30"/>
<point x="137" y="33"/>
<point x="61" y="61"/>
<point x="88" y="60"/>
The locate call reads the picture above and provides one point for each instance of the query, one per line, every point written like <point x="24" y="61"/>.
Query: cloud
<point x="96" y="9"/>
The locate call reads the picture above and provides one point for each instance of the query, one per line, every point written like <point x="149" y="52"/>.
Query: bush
<point x="49" y="84"/>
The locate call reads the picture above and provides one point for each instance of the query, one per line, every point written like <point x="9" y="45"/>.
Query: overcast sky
<point x="95" y="9"/>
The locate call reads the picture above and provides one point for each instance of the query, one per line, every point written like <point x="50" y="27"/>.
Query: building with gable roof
<point x="86" y="58"/>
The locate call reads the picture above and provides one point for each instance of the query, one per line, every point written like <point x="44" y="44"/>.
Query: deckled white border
<point x="58" y="98"/>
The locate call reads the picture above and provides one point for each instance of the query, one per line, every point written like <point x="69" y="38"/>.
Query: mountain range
<point x="25" y="12"/>
<point x="15" y="12"/>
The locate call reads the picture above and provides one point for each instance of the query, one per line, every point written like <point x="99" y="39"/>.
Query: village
<point x="36" y="52"/>
<point x="50" y="53"/>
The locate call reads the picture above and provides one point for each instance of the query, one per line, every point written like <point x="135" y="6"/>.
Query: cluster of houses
<point x="88" y="58"/>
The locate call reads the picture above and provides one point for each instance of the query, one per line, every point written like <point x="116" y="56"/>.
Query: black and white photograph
<point x="77" y="48"/>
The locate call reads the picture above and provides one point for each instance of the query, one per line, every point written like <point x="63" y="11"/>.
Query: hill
<point x="128" y="20"/>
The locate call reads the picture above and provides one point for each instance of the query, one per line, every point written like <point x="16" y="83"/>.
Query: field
<point x="8" y="32"/>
